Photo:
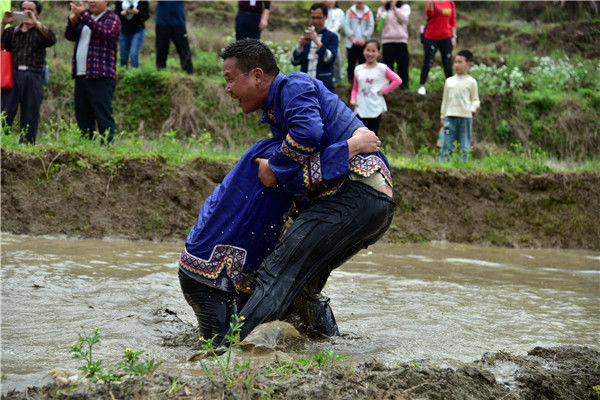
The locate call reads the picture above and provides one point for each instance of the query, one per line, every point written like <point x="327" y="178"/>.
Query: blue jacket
<point x="326" y="54"/>
<point x="170" y="13"/>
<point x="237" y="227"/>
<point x="314" y="125"/>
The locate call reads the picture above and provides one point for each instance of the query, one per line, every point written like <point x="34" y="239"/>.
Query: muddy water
<point x="396" y="303"/>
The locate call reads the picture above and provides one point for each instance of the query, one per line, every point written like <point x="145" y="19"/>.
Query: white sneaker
<point x="422" y="90"/>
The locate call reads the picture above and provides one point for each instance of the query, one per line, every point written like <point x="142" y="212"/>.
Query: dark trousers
<point x="93" y="105"/>
<point x="28" y="91"/>
<point x="322" y="238"/>
<point x="178" y="34"/>
<point x="213" y="307"/>
<point x="372" y="123"/>
<point x="354" y="57"/>
<point x="397" y="53"/>
<point x="430" y="47"/>
<point x="246" y="26"/>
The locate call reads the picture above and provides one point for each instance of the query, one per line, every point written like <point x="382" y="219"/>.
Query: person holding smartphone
<point x="317" y="48"/>
<point x="27" y="43"/>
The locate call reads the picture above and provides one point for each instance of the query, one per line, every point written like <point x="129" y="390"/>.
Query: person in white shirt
<point x="359" y="24"/>
<point x="334" y="23"/>
<point x="460" y="101"/>
<point x="372" y="80"/>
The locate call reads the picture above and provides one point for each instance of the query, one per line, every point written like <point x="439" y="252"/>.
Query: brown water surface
<point x="395" y="303"/>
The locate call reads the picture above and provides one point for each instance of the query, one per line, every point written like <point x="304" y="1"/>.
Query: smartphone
<point x="20" y="16"/>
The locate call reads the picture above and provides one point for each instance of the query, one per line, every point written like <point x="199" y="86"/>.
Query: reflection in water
<point x="395" y="303"/>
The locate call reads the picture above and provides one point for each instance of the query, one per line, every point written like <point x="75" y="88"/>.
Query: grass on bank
<point x="64" y="138"/>
<point x="543" y="99"/>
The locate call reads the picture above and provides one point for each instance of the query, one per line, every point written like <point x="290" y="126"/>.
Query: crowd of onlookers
<point x="99" y="34"/>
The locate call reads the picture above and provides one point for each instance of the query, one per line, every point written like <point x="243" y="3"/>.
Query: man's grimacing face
<point x="242" y="87"/>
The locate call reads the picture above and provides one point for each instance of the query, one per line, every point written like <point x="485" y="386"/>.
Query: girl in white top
<point x="372" y="80"/>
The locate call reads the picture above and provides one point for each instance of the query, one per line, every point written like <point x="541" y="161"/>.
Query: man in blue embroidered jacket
<point x="317" y="48"/>
<point x="350" y="195"/>
<point x="237" y="227"/>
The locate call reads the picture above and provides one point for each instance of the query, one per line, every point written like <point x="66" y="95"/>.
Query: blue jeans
<point x="130" y="47"/>
<point x="456" y="129"/>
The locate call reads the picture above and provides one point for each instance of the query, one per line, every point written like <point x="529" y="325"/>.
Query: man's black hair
<point x="466" y="54"/>
<point x="38" y="5"/>
<point x="250" y="54"/>
<point x="322" y="6"/>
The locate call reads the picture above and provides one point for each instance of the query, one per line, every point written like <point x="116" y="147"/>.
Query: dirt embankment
<point x="144" y="199"/>
<point x="561" y="373"/>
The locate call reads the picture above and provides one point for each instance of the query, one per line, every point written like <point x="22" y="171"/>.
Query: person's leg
<point x="429" y="48"/>
<point x="182" y="45"/>
<point x="31" y="102"/>
<point x="445" y="47"/>
<point x="464" y="136"/>
<point x="323" y="237"/>
<point x="163" y="40"/>
<point x="137" y="41"/>
<point x="124" y="46"/>
<point x="84" y="112"/>
<point x="101" y="103"/>
<point x="213" y="308"/>
<point x="337" y="68"/>
<point x="10" y="100"/>
<point x="402" y="62"/>
<point x="388" y="55"/>
<point x="372" y="123"/>
<point x="450" y="136"/>
<point x="353" y="58"/>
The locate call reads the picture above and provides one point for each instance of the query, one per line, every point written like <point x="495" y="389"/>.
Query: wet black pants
<point x="213" y="307"/>
<point x="321" y="239"/>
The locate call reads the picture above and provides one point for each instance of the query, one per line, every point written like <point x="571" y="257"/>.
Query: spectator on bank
<point x="372" y="80"/>
<point x="394" y="36"/>
<point x="96" y="33"/>
<point x="440" y="33"/>
<point x="251" y="19"/>
<point x="170" y="26"/>
<point x="460" y="101"/>
<point x="27" y="43"/>
<point x="133" y="15"/>
<point x="334" y="23"/>
<point x="358" y="28"/>
<point x="317" y="48"/>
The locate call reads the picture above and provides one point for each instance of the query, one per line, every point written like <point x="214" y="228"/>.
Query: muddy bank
<point x="544" y="373"/>
<point x="144" y="199"/>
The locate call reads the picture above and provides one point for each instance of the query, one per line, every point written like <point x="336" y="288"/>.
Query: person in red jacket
<point x="440" y="33"/>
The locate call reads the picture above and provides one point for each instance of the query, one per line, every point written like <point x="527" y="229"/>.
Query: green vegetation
<point x="537" y="107"/>
<point x="93" y="371"/>
<point x="219" y="366"/>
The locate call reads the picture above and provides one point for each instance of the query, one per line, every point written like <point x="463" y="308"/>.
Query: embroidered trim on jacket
<point x="365" y="166"/>
<point x="223" y="256"/>
<point x="293" y="154"/>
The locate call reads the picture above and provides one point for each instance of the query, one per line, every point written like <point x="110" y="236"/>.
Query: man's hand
<point x="265" y="174"/>
<point x="302" y="42"/>
<point x="441" y="122"/>
<point x="7" y="18"/>
<point x="363" y="140"/>
<point x="77" y="9"/>
<point x="32" y="19"/>
<point x="262" y="24"/>
<point x="133" y="11"/>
